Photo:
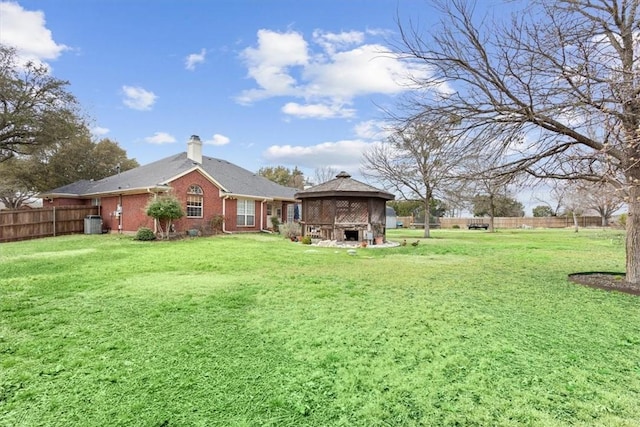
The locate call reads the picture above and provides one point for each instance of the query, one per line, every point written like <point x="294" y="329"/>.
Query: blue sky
<point x="263" y="83"/>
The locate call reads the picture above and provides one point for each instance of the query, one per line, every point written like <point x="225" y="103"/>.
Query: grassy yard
<point x="466" y="329"/>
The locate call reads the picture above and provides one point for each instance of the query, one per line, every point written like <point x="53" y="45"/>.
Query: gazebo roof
<point x="343" y="185"/>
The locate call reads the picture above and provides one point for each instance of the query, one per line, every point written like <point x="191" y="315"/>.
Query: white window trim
<point x="246" y="213"/>
<point x="195" y="194"/>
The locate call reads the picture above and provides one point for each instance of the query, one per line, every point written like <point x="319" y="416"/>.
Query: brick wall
<point x="133" y="213"/>
<point x="211" y="205"/>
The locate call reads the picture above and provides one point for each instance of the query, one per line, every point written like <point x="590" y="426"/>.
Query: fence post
<point x="54" y="221"/>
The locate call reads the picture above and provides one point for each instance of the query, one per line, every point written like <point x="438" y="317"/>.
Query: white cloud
<point x="372" y="129"/>
<point x="160" y="138"/>
<point x="218" y="140"/>
<point x="320" y="111"/>
<point x="27" y="32"/>
<point x="99" y="131"/>
<point x="332" y="41"/>
<point x="328" y="73"/>
<point x="342" y="155"/>
<point x="269" y="64"/>
<point x="367" y="69"/>
<point x="195" y="58"/>
<point x="138" y="98"/>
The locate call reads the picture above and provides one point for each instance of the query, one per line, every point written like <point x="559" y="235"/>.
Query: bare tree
<point x="573" y="197"/>
<point x="486" y="180"/>
<point x="556" y="87"/>
<point x="418" y="161"/>
<point x="573" y="201"/>
<point x="605" y="202"/>
<point x="600" y="197"/>
<point x="555" y="198"/>
<point x="324" y="174"/>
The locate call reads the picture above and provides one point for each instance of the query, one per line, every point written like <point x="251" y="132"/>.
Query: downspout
<point x="155" y="221"/>
<point x="224" y="215"/>
<point x="262" y="217"/>
<point x="120" y="214"/>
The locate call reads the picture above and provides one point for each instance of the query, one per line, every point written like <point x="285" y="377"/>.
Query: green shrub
<point x="145" y="234"/>
<point x="275" y="223"/>
<point x="216" y="224"/>
<point x="165" y="209"/>
<point x="456" y="226"/>
<point x="306" y="240"/>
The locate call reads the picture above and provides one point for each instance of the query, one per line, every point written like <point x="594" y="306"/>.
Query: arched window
<point x="194" y="201"/>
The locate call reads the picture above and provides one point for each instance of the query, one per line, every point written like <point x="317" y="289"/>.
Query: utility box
<point x="93" y="224"/>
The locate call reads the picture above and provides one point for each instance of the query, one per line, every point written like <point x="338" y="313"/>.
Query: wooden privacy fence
<point x="527" y="222"/>
<point x="43" y="222"/>
<point x="515" y="222"/>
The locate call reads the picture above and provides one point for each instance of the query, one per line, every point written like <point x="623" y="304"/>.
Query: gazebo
<point x="344" y="209"/>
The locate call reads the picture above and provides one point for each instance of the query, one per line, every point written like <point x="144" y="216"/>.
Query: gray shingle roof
<point x="233" y="179"/>
<point x="343" y="184"/>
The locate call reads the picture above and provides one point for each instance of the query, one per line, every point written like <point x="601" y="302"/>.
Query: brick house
<point x="206" y="186"/>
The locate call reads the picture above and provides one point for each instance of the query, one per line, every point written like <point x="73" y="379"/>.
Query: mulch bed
<point x="605" y="280"/>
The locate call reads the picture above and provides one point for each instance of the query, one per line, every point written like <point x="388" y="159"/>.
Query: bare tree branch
<point x="554" y="91"/>
<point x="420" y="161"/>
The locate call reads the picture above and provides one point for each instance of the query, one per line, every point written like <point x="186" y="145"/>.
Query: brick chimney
<point x="194" y="149"/>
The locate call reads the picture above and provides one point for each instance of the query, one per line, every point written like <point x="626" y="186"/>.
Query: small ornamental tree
<point x="165" y="209"/>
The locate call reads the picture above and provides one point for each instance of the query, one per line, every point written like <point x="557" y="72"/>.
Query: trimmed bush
<point x="456" y="226"/>
<point x="306" y="240"/>
<point x="145" y="234"/>
<point x="165" y="209"/>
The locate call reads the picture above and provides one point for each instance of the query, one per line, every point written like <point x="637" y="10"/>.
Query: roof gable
<point x="343" y="184"/>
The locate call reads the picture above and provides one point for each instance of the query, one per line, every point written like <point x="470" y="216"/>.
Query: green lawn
<point x="466" y="329"/>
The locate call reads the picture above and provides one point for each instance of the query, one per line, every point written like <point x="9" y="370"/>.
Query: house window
<point x="293" y="213"/>
<point x="269" y="209"/>
<point x="289" y="213"/>
<point x="95" y="202"/>
<point x="194" y="202"/>
<point x="246" y="213"/>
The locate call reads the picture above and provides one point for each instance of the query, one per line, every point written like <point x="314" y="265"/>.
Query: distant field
<point x="466" y="329"/>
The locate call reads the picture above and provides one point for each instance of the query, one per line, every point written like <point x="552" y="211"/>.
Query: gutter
<point x="262" y="214"/>
<point x="110" y="193"/>
<point x="248" y="196"/>
<point x="155" y="221"/>
<point x="224" y="214"/>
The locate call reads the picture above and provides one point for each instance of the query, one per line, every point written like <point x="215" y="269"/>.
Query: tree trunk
<point x="168" y="230"/>
<point x="632" y="177"/>
<point x="575" y="221"/>
<point x="633" y="237"/>
<point x="427" y="231"/>
<point x="492" y="213"/>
